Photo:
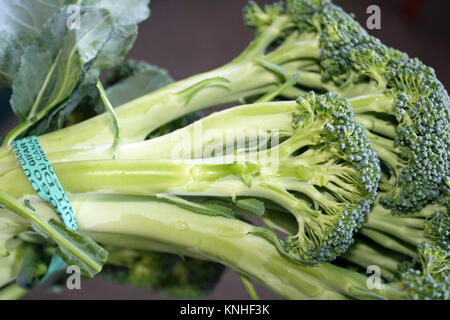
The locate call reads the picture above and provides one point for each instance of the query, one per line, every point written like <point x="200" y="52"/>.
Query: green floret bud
<point x="413" y="126"/>
<point x="437" y="228"/>
<point x="428" y="277"/>
<point x="307" y="14"/>
<point x="137" y="268"/>
<point x="259" y="19"/>
<point x="190" y="279"/>
<point x="339" y="200"/>
<point x="422" y="109"/>
<point x="167" y="274"/>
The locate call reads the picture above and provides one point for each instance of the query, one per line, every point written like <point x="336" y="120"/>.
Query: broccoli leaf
<point x="22" y="22"/>
<point x="20" y="28"/>
<point x="130" y="80"/>
<point x="109" y="51"/>
<point x="125" y="15"/>
<point x="82" y="252"/>
<point x="50" y="69"/>
<point x="73" y="247"/>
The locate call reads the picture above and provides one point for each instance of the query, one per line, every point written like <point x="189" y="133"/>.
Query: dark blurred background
<point x="191" y="36"/>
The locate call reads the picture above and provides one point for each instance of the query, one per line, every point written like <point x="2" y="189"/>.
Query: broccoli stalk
<point x="258" y="70"/>
<point x="364" y="254"/>
<point x="399" y="100"/>
<point x="324" y="172"/>
<point x="429" y="225"/>
<point x="146" y="223"/>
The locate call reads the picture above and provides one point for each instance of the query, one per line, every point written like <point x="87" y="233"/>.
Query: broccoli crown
<point x="190" y="279"/>
<point x="259" y="19"/>
<point x="344" y="136"/>
<point x="337" y="174"/>
<point x="422" y="110"/>
<point x="428" y="277"/>
<point x="168" y="274"/>
<point x="137" y="268"/>
<point x="350" y="58"/>
<point x="437" y="228"/>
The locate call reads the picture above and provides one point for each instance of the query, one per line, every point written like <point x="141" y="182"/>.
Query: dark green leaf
<point x="126" y="15"/>
<point x="50" y="69"/>
<point x="83" y="252"/>
<point x="21" y="24"/>
<point x="32" y="267"/>
<point x="144" y="81"/>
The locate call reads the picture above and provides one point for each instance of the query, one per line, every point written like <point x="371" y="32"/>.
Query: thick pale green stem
<point x="215" y="238"/>
<point x="403" y="232"/>
<point x="364" y="108"/>
<point x="92" y="139"/>
<point x="382" y="103"/>
<point x="250" y="122"/>
<point x="372" y="124"/>
<point x="389" y="242"/>
<point x="247" y="283"/>
<point x="309" y="49"/>
<point x="364" y="255"/>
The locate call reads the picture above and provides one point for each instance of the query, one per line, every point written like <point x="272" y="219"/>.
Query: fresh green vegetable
<point x="424" y="277"/>
<point x="351" y="175"/>
<point x="144" y="223"/>
<point x="324" y="171"/>
<point x="258" y="70"/>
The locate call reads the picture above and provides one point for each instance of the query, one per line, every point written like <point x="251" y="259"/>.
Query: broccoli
<point x="168" y="274"/>
<point x="254" y="72"/>
<point x="323" y="171"/>
<point x="151" y="224"/>
<point x="424" y="277"/>
<point x="427" y="277"/>
<point x="398" y="99"/>
<point x="369" y="133"/>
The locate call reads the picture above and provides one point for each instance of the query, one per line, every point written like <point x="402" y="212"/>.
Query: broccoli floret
<point x="338" y="199"/>
<point x="137" y="268"/>
<point x="428" y="277"/>
<point x="260" y="19"/>
<point x="408" y="115"/>
<point x="424" y="277"/>
<point x="168" y="274"/>
<point x="398" y="99"/>
<point x="190" y="279"/>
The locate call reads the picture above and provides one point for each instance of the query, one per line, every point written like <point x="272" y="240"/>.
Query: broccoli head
<point x="398" y="99"/>
<point x="428" y="276"/>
